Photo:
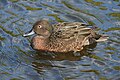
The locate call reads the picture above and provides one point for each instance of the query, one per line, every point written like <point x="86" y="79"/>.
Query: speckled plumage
<point x="63" y="37"/>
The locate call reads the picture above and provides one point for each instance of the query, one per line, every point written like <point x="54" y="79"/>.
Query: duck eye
<point x="39" y="26"/>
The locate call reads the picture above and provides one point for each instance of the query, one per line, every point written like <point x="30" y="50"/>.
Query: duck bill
<point x="29" y="33"/>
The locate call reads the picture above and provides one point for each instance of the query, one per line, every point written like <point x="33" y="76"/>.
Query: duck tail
<point x="102" y="38"/>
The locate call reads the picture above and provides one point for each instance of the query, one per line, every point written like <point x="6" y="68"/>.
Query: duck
<point x="63" y="36"/>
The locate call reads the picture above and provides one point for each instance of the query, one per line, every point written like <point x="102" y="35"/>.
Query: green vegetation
<point x="6" y="73"/>
<point x="95" y="57"/>
<point x="14" y="0"/>
<point x="118" y="56"/>
<point x="110" y="52"/>
<point x="15" y="79"/>
<point x="91" y="23"/>
<point x="109" y="48"/>
<point x="103" y="8"/>
<point x="11" y="13"/>
<point x="112" y="29"/>
<point x="116" y="0"/>
<point x="85" y="64"/>
<point x="30" y="8"/>
<point x="1" y="38"/>
<point x="103" y="78"/>
<point x="94" y="71"/>
<point x="89" y="1"/>
<point x="117" y="14"/>
<point x="116" y="68"/>
<point x="95" y="3"/>
<point x="56" y="17"/>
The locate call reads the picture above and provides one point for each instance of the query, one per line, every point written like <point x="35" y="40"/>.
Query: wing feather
<point x="68" y="30"/>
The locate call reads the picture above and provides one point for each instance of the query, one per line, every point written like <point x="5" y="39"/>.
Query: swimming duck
<point x="63" y="37"/>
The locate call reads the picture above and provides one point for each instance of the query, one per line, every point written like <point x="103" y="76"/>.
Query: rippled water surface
<point x="18" y="61"/>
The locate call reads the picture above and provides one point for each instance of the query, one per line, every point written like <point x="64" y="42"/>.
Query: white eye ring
<point x="40" y="26"/>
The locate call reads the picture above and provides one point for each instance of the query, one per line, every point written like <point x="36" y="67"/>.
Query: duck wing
<point x="69" y="31"/>
<point x="72" y="36"/>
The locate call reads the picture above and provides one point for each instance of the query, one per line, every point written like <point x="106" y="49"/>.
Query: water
<point x="18" y="61"/>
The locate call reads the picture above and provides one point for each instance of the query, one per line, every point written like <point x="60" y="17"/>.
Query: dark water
<point x="18" y="61"/>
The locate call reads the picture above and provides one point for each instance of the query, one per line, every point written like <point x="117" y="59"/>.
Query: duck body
<point x="63" y="37"/>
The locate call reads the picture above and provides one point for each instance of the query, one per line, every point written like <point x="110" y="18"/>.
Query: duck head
<point x="41" y="28"/>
